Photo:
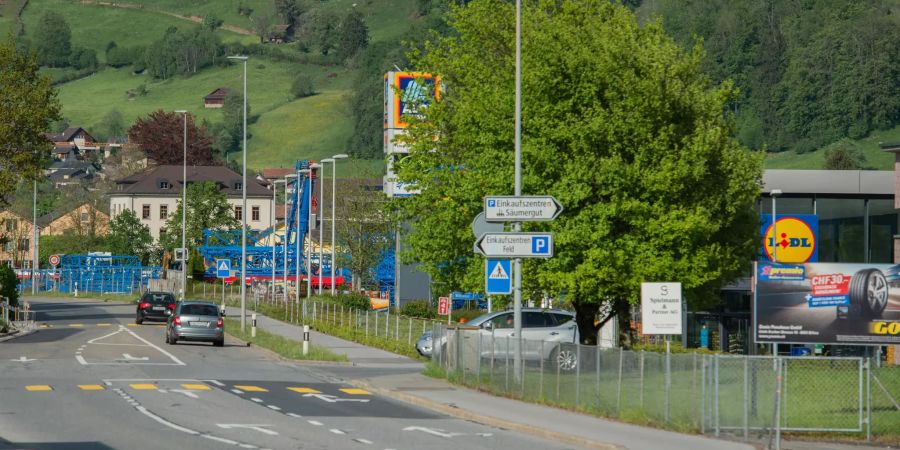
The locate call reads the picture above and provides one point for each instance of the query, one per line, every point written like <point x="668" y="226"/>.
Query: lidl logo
<point x="792" y="240"/>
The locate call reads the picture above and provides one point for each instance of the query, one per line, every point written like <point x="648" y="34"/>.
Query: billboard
<point x="798" y="236"/>
<point x="827" y="303"/>
<point x="404" y="93"/>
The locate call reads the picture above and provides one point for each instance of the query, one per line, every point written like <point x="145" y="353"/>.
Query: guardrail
<point x="19" y="317"/>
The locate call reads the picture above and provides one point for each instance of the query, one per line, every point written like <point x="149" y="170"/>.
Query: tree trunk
<point x="622" y="309"/>
<point x="584" y="317"/>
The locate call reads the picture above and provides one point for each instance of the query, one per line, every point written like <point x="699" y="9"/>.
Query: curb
<point x="486" y="420"/>
<point x="16" y="334"/>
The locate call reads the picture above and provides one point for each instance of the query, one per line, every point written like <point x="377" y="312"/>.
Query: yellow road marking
<point x="142" y="386"/>
<point x="45" y="326"/>
<point x="199" y="387"/>
<point x="304" y="390"/>
<point x="133" y="325"/>
<point x="76" y="324"/>
<point x="354" y="391"/>
<point x="38" y="387"/>
<point x="251" y="389"/>
<point x="90" y="387"/>
<point x="104" y="324"/>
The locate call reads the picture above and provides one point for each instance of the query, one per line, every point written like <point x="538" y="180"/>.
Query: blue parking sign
<point x="540" y="245"/>
<point x="497" y="277"/>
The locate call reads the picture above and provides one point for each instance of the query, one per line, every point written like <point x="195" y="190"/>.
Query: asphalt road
<point x="91" y="379"/>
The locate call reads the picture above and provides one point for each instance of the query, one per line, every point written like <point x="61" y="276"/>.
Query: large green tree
<point x="53" y="40"/>
<point x="207" y="208"/>
<point x="619" y="124"/>
<point x="128" y="236"/>
<point x="29" y="105"/>
<point x="354" y="35"/>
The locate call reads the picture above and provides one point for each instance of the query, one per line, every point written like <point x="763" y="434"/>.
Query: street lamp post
<point x="272" y="220"/>
<point x="333" y="209"/>
<point x="36" y="242"/>
<point x="321" y="217"/>
<point x="244" y="205"/>
<point x="286" y="236"/>
<point x="517" y="268"/>
<point x="297" y="237"/>
<point x="312" y="171"/>
<point x="184" y="208"/>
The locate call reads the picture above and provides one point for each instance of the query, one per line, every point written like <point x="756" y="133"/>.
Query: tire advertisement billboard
<point x="827" y="303"/>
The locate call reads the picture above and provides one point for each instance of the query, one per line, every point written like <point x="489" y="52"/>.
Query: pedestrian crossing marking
<point x="142" y="386"/>
<point x="251" y="388"/>
<point x="304" y="390"/>
<point x="90" y="387"/>
<point x="38" y="387"/>
<point x="133" y="325"/>
<point x="196" y="387"/>
<point x="354" y="391"/>
<point x="498" y="273"/>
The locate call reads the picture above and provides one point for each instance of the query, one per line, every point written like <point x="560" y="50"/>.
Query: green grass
<point x="226" y="10"/>
<point x="284" y="347"/>
<point x="875" y="157"/>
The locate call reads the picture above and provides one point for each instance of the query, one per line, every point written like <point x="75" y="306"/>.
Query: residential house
<point x="216" y="98"/>
<point x="17" y="237"/>
<point x="73" y="143"/>
<point x="267" y="177"/>
<point x="155" y="193"/>
<point x="71" y="171"/>
<point x="85" y="219"/>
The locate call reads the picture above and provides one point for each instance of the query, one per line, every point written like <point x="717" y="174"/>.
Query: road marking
<point x="354" y="391"/>
<point x="178" y="361"/>
<point x="334" y="399"/>
<point x="198" y="387"/>
<point x="185" y="392"/>
<point x="257" y="400"/>
<point x="251" y="388"/>
<point x="304" y="390"/>
<point x="217" y="383"/>
<point x="84" y="362"/>
<point x="222" y="440"/>
<point x="165" y="422"/>
<point x="38" y="387"/>
<point x="133" y="325"/>
<point x="104" y="324"/>
<point x="363" y="441"/>
<point x="237" y="391"/>
<point x="315" y="422"/>
<point x="133" y="358"/>
<point x="273" y="407"/>
<point x="143" y="386"/>
<point x="298" y="416"/>
<point x="255" y="427"/>
<point x="90" y="387"/>
<point x="76" y="325"/>
<point x="23" y="359"/>
<point x="433" y="431"/>
<point x="247" y="446"/>
<point x="336" y="431"/>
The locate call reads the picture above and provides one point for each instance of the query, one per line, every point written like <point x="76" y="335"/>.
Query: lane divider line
<point x="355" y="391"/>
<point x="196" y="387"/>
<point x="257" y="400"/>
<point x="143" y="386"/>
<point x="298" y="416"/>
<point x="237" y="391"/>
<point x="315" y="422"/>
<point x="273" y="407"/>
<point x="363" y="441"/>
<point x="336" y="431"/>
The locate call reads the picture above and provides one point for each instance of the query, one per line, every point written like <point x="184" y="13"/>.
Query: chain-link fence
<point x="710" y="393"/>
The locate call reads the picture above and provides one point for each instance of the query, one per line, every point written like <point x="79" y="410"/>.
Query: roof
<point x="64" y="147"/>
<point x="72" y="164"/>
<point x="66" y="135"/>
<point x="72" y="174"/>
<point x="835" y="182"/>
<point x="218" y="94"/>
<point x="148" y="182"/>
<point x="273" y="173"/>
<point x="48" y="218"/>
<point x="892" y="147"/>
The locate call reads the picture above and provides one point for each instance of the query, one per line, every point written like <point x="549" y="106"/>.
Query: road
<point x="90" y="378"/>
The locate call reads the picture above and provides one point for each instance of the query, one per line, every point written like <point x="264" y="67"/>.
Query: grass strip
<point x="282" y="346"/>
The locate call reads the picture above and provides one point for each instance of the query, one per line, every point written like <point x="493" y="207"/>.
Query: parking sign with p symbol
<point x="540" y="245"/>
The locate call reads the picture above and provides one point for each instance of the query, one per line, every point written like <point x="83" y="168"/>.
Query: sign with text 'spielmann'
<point x="661" y="308"/>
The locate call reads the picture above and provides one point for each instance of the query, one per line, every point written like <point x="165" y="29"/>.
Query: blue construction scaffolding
<point x="95" y="273"/>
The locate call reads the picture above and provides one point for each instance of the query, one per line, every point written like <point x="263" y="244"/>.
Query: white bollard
<point x="253" y="328"/>
<point x="76" y="289"/>
<point x="305" y="340"/>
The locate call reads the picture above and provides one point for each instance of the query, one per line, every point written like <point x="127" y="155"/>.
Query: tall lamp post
<point x="272" y="220"/>
<point x="517" y="267"/>
<point x="35" y="243"/>
<point x="297" y="237"/>
<point x="286" y="236"/>
<point x="321" y="217"/>
<point x="333" y="209"/>
<point x="184" y="208"/>
<point x="244" y="205"/>
<point x="312" y="172"/>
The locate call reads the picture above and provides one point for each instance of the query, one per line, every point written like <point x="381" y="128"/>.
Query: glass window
<point x="536" y="320"/>
<point x="786" y="205"/>
<point x="841" y="230"/>
<point x="163" y="211"/>
<point x="238" y="212"/>
<point x="145" y="212"/>
<point x="882" y="228"/>
<point x="503" y="321"/>
<point x="562" y="319"/>
<point x="255" y="213"/>
<point x="200" y="310"/>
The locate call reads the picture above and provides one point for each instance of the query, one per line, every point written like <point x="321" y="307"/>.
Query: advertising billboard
<point x="798" y="236"/>
<point x="827" y="303"/>
<point x="405" y="93"/>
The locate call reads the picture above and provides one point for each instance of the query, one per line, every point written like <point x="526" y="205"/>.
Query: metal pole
<point x="777" y="404"/>
<point x="517" y="269"/>
<point x="309" y="234"/>
<point x="36" y="238"/>
<point x="333" y="222"/>
<point x="297" y="246"/>
<point x="396" y="269"/>
<point x="184" y="210"/>
<point x="244" y="205"/>
<point x="272" y="221"/>
<point x="321" y="219"/>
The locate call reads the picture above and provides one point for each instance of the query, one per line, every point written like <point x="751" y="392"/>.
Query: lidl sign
<point x="405" y="93"/>
<point x="794" y="239"/>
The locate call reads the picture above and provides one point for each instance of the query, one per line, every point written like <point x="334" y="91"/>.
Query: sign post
<point x="661" y="308"/>
<point x="223" y="271"/>
<point x="497" y="278"/>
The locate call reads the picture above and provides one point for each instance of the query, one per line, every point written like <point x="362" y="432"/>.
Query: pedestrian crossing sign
<point x="223" y="268"/>
<point x="498" y="280"/>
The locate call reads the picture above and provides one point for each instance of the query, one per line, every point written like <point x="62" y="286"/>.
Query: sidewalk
<point x="400" y="378"/>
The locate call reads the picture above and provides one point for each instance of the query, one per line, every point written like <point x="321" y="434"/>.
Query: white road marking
<point x="186" y="392"/>
<point x="165" y="422"/>
<point x="177" y="361"/>
<point x="255" y="427"/>
<point x="222" y="440"/>
<point x="247" y="446"/>
<point x="363" y="441"/>
<point x="273" y="407"/>
<point x="336" y="431"/>
<point x="237" y="391"/>
<point x="433" y="431"/>
<point x="23" y="359"/>
<point x="315" y="422"/>
<point x="134" y="358"/>
<point x="216" y="382"/>
<point x="257" y="400"/>
<point x="335" y="399"/>
<point x="294" y="415"/>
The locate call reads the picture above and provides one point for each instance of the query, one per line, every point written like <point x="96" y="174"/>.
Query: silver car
<point x="196" y="321"/>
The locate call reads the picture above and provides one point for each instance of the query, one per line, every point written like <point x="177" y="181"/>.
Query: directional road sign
<point x="530" y="208"/>
<point x="223" y="268"/>
<point x="515" y="245"/>
<point x="497" y="276"/>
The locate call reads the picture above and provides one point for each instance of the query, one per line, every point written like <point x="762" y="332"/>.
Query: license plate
<point x="199" y="324"/>
<point x="158" y="308"/>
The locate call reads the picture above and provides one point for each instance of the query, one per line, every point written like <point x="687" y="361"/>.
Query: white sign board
<point x="515" y="245"/>
<point x="661" y="308"/>
<point x="533" y="208"/>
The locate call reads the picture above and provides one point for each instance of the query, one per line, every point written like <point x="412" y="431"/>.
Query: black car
<point x="154" y="306"/>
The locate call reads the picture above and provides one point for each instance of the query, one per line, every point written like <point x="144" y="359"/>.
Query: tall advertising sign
<point x="827" y="303"/>
<point x="405" y="94"/>
<point x="797" y="239"/>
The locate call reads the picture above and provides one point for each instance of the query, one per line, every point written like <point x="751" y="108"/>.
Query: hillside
<point x="282" y="129"/>
<point x="876" y="159"/>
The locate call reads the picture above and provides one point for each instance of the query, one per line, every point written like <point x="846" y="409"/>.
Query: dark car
<point x="195" y="320"/>
<point x="154" y="306"/>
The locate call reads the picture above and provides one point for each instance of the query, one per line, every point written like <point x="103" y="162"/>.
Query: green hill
<point x="875" y="157"/>
<point x="283" y="129"/>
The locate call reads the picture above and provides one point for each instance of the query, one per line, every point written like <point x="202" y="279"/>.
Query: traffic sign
<point x="54" y="260"/>
<point x="497" y="276"/>
<point x="223" y="268"/>
<point x="528" y="208"/>
<point x="515" y="245"/>
<point x="444" y="306"/>
<point x="481" y="226"/>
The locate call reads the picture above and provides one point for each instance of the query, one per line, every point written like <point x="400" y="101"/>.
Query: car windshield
<point x="200" y="310"/>
<point x="159" y="298"/>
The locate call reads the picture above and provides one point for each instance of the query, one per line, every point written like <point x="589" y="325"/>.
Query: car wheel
<point x="219" y="343"/>
<point x="173" y="340"/>
<point x="139" y="320"/>
<point x="868" y="292"/>
<point x="566" y="359"/>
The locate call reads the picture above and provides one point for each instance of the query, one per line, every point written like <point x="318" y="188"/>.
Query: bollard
<point x="76" y="289"/>
<point x="253" y="327"/>
<point x="305" y="340"/>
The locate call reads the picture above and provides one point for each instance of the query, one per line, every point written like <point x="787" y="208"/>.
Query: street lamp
<point x="184" y="208"/>
<point x="297" y="237"/>
<point x="774" y="193"/>
<point x="272" y="220"/>
<point x="312" y="171"/>
<point x="244" y="205"/>
<point x="333" y="209"/>
<point x="321" y="217"/>
<point x="35" y="242"/>
<point x="286" y="236"/>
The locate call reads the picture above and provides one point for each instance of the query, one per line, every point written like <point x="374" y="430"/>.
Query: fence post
<point x="778" y="369"/>
<point x="598" y="374"/>
<point x="668" y="379"/>
<point x="703" y="408"/>
<point x="716" y="362"/>
<point x="619" y="383"/>
<point x="367" y="327"/>
<point x="387" y="326"/>
<point x="541" y="376"/>
<point x="577" y="374"/>
<point x="409" y="337"/>
<point x="478" y="371"/>
<point x="868" y="368"/>
<point x="506" y="389"/>
<point x="493" y="346"/>
<point x="785" y="369"/>
<point x="556" y="363"/>
<point x="641" y="382"/>
<point x="746" y="398"/>
<point x="376" y="324"/>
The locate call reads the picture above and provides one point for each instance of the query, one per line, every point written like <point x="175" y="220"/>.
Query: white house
<point x="154" y="194"/>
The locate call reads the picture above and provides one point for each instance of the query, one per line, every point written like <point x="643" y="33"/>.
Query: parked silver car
<point x="196" y="321"/>
<point x="545" y="332"/>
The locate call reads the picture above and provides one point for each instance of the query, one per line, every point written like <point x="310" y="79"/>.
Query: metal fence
<point x="394" y="327"/>
<point x="710" y="393"/>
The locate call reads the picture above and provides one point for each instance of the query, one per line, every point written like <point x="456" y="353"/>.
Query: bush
<point x="354" y="300"/>
<point x="302" y="86"/>
<point x="418" y="308"/>
<point x="9" y="285"/>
